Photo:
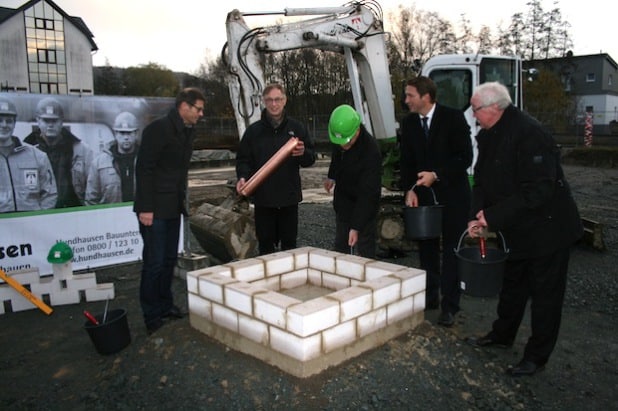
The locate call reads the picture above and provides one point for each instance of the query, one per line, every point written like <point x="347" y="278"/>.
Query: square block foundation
<point x="306" y="309"/>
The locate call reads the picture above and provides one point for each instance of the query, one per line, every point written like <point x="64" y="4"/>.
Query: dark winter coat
<point x="358" y="181"/>
<point x="258" y="144"/>
<point x="162" y="167"/>
<point x="520" y="185"/>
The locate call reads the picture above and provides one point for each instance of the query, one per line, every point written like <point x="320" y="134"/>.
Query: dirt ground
<point x="49" y="363"/>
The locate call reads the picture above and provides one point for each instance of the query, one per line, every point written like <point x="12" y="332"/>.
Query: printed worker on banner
<point x="69" y="156"/>
<point x="26" y="178"/>
<point x="111" y="178"/>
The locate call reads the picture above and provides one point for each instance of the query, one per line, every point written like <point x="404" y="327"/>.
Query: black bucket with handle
<point x="111" y="334"/>
<point x="481" y="276"/>
<point x="423" y="222"/>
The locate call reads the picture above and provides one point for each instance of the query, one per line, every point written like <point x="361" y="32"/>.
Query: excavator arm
<point x="354" y="30"/>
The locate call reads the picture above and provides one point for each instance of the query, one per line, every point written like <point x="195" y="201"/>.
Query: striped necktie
<point x="425" y="127"/>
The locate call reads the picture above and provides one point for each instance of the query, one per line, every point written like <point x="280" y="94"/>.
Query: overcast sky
<point x="181" y="34"/>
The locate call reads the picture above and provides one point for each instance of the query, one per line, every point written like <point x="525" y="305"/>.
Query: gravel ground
<point x="48" y="363"/>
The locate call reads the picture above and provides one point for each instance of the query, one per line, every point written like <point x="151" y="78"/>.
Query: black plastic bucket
<point x="423" y="222"/>
<point x="481" y="277"/>
<point x="111" y="336"/>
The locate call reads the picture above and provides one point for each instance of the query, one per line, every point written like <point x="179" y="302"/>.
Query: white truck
<point x="356" y="30"/>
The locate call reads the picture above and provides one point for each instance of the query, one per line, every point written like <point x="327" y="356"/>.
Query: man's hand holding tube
<point x="478" y="227"/>
<point x="299" y="150"/>
<point x="239" y="184"/>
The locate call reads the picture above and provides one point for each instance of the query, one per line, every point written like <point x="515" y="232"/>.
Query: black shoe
<point x="446" y="319"/>
<point x="487" y="341"/>
<point x="154" y="325"/>
<point x="524" y="368"/>
<point x="174" y="313"/>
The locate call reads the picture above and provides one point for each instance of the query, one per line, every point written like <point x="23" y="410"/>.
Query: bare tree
<point x="484" y="41"/>
<point x="466" y="41"/>
<point x="537" y="34"/>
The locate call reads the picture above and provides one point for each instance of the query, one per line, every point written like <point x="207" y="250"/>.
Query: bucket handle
<point x="433" y="193"/>
<point x="506" y="250"/>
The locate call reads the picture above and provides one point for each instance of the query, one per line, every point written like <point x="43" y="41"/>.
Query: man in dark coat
<point x="276" y="199"/>
<point x="355" y="172"/>
<point x="161" y="186"/>
<point x="520" y="190"/>
<point x="436" y="152"/>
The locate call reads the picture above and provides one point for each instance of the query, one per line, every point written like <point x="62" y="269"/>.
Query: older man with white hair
<point x="520" y="190"/>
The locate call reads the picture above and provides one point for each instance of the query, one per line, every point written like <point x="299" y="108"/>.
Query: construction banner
<point x="68" y="175"/>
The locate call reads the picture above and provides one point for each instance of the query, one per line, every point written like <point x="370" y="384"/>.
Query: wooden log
<point x="223" y="233"/>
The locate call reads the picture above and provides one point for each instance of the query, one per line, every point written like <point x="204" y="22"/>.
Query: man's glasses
<point x="277" y="100"/>
<point x="475" y="109"/>
<point x="198" y="108"/>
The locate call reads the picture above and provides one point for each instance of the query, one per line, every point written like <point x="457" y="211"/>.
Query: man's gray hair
<point x="493" y="93"/>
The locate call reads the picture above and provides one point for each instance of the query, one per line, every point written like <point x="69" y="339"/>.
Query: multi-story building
<point x="593" y="81"/>
<point x="44" y="50"/>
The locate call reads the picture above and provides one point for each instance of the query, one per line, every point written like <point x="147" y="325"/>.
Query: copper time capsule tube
<point x="269" y="167"/>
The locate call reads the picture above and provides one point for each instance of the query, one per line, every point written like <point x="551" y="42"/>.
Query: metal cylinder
<point x="269" y="167"/>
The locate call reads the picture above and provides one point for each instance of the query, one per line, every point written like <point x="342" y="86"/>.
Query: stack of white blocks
<point x="61" y="288"/>
<point x="239" y="304"/>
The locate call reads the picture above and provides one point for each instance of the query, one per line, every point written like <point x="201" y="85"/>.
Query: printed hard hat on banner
<point x="7" y="108"/>
<point x="125" y="121"/>
<point x="60" y="253"/>
<point x="49" y="108"/>
<point x="343" y="124"/>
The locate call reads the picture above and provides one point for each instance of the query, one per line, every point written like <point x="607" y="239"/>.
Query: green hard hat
<point x="60" y="253"/>
<point x="343" y="123"/>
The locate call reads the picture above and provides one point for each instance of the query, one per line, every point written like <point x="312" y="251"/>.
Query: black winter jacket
<point x="162" y="167"/>
<point x="520" y="184"/>
<point x="258" y="144"/>
<point x="358" y="181"/>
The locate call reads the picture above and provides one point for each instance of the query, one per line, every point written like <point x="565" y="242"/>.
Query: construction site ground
<point x="49" y="362"/>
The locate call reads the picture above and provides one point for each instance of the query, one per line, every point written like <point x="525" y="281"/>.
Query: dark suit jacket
<point x="162" y="167"/>
<point x="447" y="152"/>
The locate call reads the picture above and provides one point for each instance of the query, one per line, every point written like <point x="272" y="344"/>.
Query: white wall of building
<point x="79" y="60"/>
<point x="13" y="56"/>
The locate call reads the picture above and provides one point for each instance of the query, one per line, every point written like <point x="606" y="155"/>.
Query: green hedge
<point x="605" y="157"/>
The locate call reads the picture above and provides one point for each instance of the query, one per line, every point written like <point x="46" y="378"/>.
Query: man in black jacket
<point x="520" y="190"/>
<point x="436" y="152"/>
<point x="276" y="199"/>
<point x="161" y="185"/>
<point x="355" y="172"/>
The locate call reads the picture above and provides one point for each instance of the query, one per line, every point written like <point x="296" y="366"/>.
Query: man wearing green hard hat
<point x="355" y="173"/>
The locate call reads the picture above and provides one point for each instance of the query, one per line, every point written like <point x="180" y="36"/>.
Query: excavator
<point x="356" y="31"/>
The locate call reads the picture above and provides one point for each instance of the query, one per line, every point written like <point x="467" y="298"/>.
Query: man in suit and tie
<point x="436" y="152"/>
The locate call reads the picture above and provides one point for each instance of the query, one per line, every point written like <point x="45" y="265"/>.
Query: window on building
<point x="590" y="78"/>
<point x="610" y="80"/>
<point x="46" y="52"/>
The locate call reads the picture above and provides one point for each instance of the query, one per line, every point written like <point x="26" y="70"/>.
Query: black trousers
<point x="276" y="227"/>
<point x="366" y="245"/>
<point x="159" y="255"/>
<point x="444" y="277"/>
<point x="543" y="281"/>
